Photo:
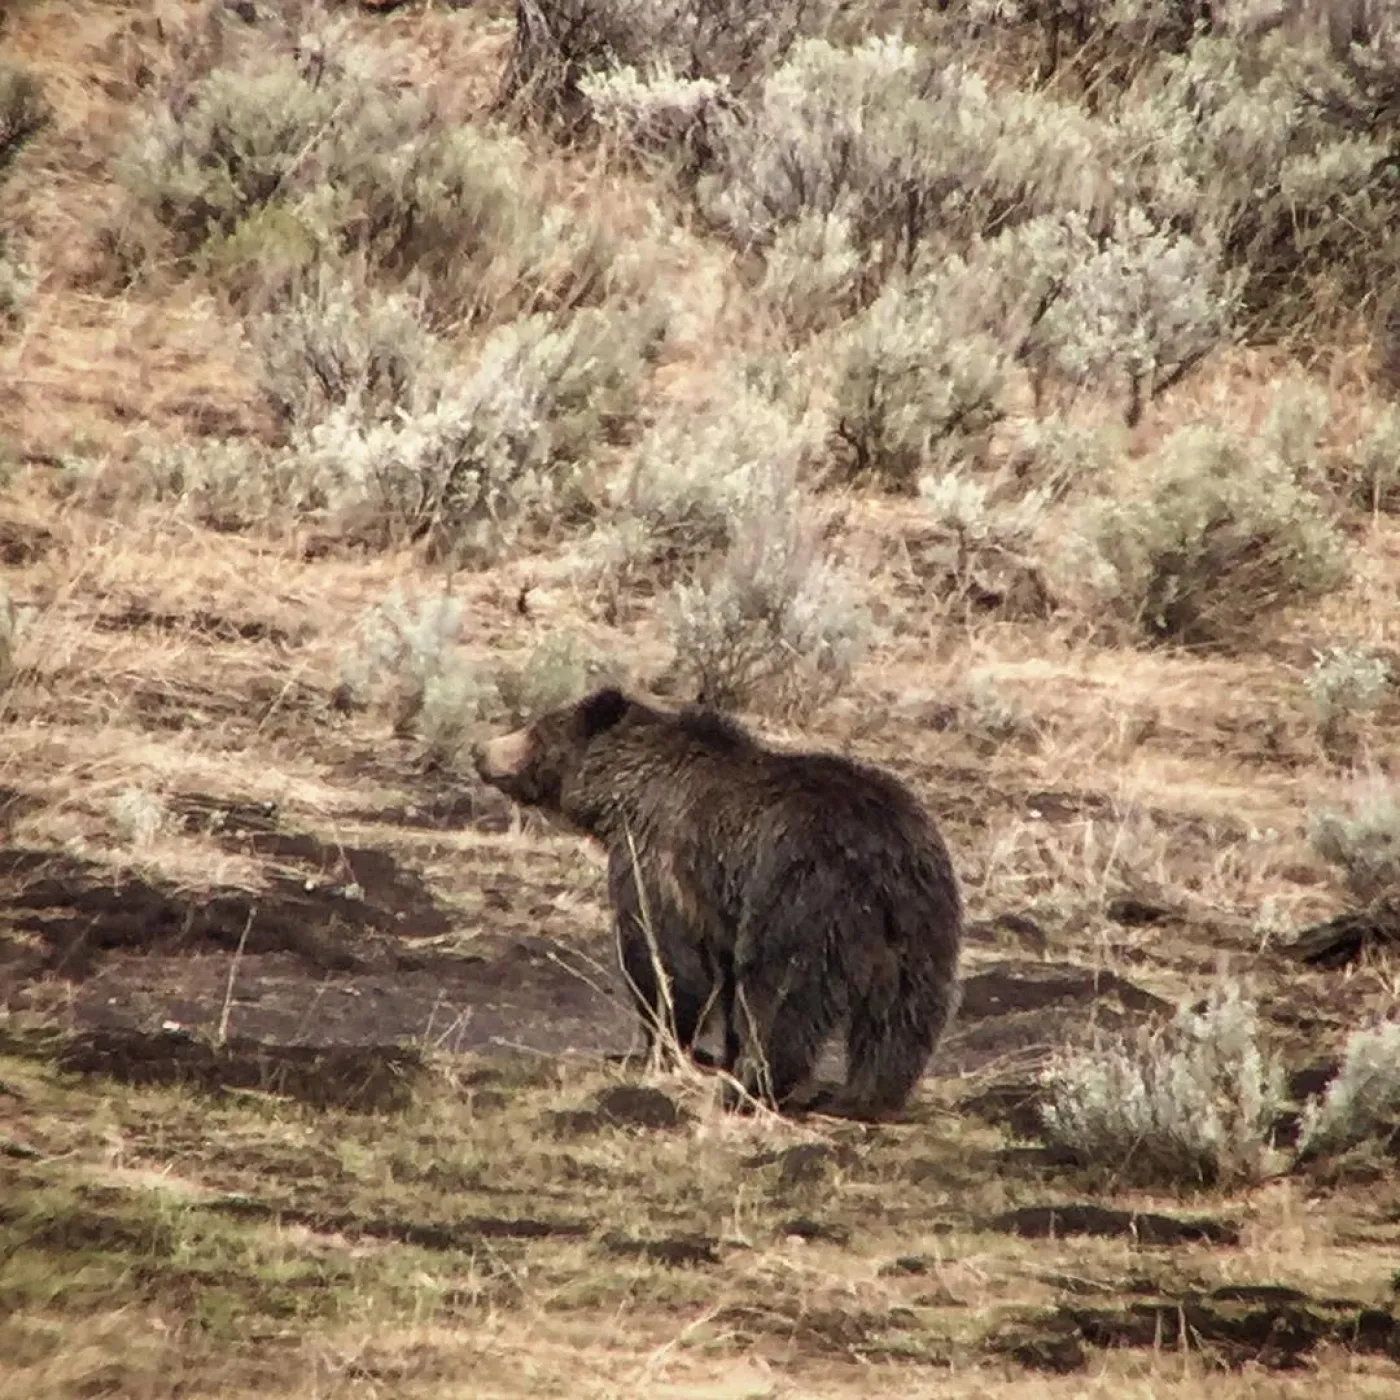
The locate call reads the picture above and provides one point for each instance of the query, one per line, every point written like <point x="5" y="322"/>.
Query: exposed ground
<point x="319" y="1087"/>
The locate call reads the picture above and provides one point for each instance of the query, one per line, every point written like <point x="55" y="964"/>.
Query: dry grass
<point x="226" y="1235"/>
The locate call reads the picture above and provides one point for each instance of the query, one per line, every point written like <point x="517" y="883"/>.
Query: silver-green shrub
<point x="1145" y="306"/>
<point x="1346" y="682"/>
<point x="1060" y="457"/>
<point x="474" y="457"/>
<point x="660" y="114"/>
<point x="915" y="386"/>
<point x="1194" y="1102"/>
<point x="17" y="283"/>
<point x="229" y="483"/>
<point x="1267" y="145"/>
<point x="24" y="112"/>
<point x="982" y="521"/>
<point x="312" y="149"/>
<point x="240" y="140"/>
<point x="813" y="273"/>
<point x="390" y="431"/>
<point x="1363" y="1102"/>
<point x="1362" y="836"/>
<point x="408" y="658"/>
<point x="558" y="669"/>
<point x="909" y="151"/>
<point x="1218" y="533"/>
<point x="771" y="621"/>
<point x="334" y="343"/>
<point x="1371" y="478"/>
<point x="560" y="46"/>
<point x="694" y="475"/>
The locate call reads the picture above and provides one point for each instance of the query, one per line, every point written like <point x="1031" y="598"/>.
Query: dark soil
<point x="68" y="912"/>
<point x="1145" y="1227"/>
<point x="1263" y="1326"/>
<point x="1349" y="937"/>
<point x="371" y="1077"/>
<point x="211" y="626"/>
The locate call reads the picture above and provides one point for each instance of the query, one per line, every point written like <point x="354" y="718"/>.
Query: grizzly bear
<point x="798" y="892"/>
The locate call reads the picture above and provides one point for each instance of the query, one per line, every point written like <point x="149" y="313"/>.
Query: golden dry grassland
<point x="312" y="1076"/>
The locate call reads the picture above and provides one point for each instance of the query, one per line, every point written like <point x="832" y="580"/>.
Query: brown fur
<point x="799" y="890"/>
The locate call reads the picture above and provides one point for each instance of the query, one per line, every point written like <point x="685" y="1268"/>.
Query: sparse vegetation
<point x="1363" y="1102"/>
<point x="1362" y="835"/>
<point x="412" y="659"/>
<point x="1218" y="534"/>
<point x="771" y="619"/>
<point x="374" y="377"/>
<point x="1191" y="1104"/>
<point x="1345" y="683"/>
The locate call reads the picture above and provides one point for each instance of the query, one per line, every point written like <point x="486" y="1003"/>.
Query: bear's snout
<point x="506" y="757"/>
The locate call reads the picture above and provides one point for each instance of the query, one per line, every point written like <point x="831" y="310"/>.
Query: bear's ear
<point x="603" y="710"/>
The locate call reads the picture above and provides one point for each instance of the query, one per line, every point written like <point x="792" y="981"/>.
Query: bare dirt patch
<point x="68" y="911"/>
<point x="1239" y="1325"/>
<point x="1100" y="1222"/>
<point x="1021" y="1009"/>
<point x="375" y="1078"/>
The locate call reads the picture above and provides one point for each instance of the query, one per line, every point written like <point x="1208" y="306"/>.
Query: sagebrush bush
<point x="1146" y="306"/>
<point x="1362" y="1103"/>
<point x="662" y="115"/>
<point x="812" y="273"/>
<point x="506" y="443"/>
<point x="10" y="629"/>
<point x="1344" y="684"/>
<point x="1371" y="478"/>
<point x="694" y="474"/>
<point x="391" y="435"/>
<point x="408" y="658"/>
<point x="240" y="140"/>
<point x="1219" y="534"/>
<point x="559" y="46"/>
<point x="1362" y="836"/>
<point x="771" y="622"/>
<point x="1060" y="458"/>
<point x="1194" y="1102"/>
<point x="23" y="113"/>
<point x="557" y="670"/>
<point x="911" y="152"/>
<point x="17" y="283"/>
<point x="138" y="815"/>
<point x="988" y="716"/>
<point x="914" y="386"/>
<point x="228" y="484"/>
<point x="1295" y="427"/>
<point x="298" y="157"/>
<point x="982" y="527"/>
<point x="335" y="342"/>
<point x="458" y="211"/>
<point x="1275" y="150"/>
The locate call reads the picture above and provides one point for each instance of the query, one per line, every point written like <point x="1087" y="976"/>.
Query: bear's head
<point x="534" y="765"/>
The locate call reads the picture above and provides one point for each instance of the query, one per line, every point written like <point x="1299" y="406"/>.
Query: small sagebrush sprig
<point x="1362" y="836"/>
<point x="1363" y="1101"/>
